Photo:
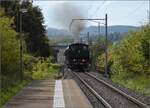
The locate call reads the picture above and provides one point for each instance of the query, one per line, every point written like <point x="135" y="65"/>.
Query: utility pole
<point x="149" y="41"/>
<point x="149" y="11"/>
<point x="99" y="30"/>
<point x="106" y="45"/>
<point x="81" y="39"/>
<point x="21" y="11"/>
<point x="21" y="50"/>
<point x="88" y="38"/>
<point x="149" y="55"/>
<point x="149" y="23"/>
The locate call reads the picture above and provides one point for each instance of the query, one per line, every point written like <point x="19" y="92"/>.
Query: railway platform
<point x="50" y="94"/>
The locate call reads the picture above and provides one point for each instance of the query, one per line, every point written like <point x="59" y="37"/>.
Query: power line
<point x="98" y="8"/>
<point x="136" y="9"/>
<point x="90" y="7"/>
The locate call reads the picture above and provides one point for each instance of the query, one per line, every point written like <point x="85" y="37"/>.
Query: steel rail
<point x="121" y="92"/>
<point x="107" y="105"/>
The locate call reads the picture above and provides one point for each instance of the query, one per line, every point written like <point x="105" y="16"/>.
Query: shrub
<point x="130" y="66"/>
<point x="44" y="69"/>
<point x="130" y="60"/>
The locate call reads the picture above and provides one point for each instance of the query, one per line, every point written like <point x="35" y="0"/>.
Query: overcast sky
<point x="119" y="12"/>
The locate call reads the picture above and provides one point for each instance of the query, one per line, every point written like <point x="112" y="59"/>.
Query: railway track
<point x="107" y="95"/>
<point x="101" y="102"/>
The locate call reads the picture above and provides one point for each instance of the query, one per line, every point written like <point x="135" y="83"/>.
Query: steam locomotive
<point x="77" y="57"/>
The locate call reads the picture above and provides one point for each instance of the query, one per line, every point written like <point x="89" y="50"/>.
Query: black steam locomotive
<point x="77" y="57"/>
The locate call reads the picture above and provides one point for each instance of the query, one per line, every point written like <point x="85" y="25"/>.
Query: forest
<point x="25" y="50"/>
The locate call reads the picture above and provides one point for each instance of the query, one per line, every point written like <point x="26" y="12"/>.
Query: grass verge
<point x="43" y="69"/>
<point x="7" y="93"/>
<point x="138" y="84"/>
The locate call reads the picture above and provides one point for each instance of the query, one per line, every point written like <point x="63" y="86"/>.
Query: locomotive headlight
<point x="83" y="60"/>
<point x="74" y="59"/>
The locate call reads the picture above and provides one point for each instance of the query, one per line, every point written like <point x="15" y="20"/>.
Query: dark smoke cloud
<point x="65" y="12"/>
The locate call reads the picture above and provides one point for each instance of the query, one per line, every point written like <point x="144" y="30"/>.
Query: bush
<point x="7" y="93"/>
<point x="130" y="60"/>
<point x="44" y="69"/>
<point x="10" y="48"/>
<point x="130" y="66"/>
<point x="34" y="69"/>
<point x="55" y="66"/>
<point x="28" y="61"/>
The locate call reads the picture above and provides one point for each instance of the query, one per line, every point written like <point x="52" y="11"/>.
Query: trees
<point x="132" y="52"/>
<point x="33" y="33"/>
<point x="10" y="48"/>
<point x="99" y="51"/>
<point x="32" y="26"/>
<point x="130" y="60"/>
<point x="145" y="42"/>
<point x="9" y="6"/>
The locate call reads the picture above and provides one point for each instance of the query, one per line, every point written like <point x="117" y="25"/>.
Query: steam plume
<point x="64" y="15"/>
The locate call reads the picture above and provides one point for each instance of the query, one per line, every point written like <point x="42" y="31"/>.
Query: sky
<point x="133" y="13"/>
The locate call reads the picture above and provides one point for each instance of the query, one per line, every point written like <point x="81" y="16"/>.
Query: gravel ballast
<point x="140" y="97"/>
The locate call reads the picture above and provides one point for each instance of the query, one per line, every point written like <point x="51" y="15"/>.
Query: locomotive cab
<point x="77" y="56"/>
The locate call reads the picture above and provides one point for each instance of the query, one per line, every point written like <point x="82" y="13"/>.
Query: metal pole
<point x="149" y="24"/>
<point x="21" y="50"/>
<point x="0" y="55"/>
<point x="88" y="38"/>
<point x="0" y="63"/>
<point x="149" y="55"/>
<point x="99" y="30"/>
<point x="106" y="44"/>
<point x="81" y="39"/>
<point x="70" y="25"/>
<point x="149" y="11"/>
<point x="88" y="19"/>
<point x="92" y="58"/>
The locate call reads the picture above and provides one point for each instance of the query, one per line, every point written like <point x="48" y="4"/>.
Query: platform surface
<point x="73" y="96"/>
<point x="38" y="94"/>
<point x="50" y="94"/>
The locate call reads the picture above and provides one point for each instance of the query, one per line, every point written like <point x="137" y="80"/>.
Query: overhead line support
<point x="106" y="40"/>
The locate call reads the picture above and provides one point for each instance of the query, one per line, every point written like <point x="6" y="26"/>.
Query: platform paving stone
<point x="38" y="94"/>
<point x="73" y="95"/>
